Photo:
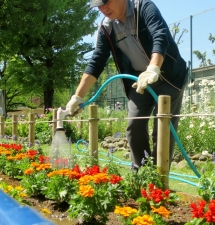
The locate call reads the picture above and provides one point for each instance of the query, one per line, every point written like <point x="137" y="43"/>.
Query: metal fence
<point x="193" y="35"/>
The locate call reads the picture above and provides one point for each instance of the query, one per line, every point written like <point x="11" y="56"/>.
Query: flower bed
<point x="91" y="194"/>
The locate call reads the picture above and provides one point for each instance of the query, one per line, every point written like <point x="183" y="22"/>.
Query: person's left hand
<point x="148" y="77"/>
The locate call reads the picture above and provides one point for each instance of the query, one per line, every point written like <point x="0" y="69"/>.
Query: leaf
<point x="63" y="193"/>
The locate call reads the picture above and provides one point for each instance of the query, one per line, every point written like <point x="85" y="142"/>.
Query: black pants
<point x="141" y="105"/>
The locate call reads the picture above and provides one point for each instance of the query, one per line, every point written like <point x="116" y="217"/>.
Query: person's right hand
<point x="73" y="105"/>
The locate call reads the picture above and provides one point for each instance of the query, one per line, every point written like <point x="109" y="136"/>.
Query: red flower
<point x="166" y="193"/>
<point x="198" y="210"/>
<point x="151" y="186"/>
<point x="144" y="193"/>
<point x="31" y="153"/>
<point x="42" y="159"/>
<point x="93" y="170"/>
<point x="210" y="214"/>
<point x="115" y="179"/>
<point x="155" y="194"/>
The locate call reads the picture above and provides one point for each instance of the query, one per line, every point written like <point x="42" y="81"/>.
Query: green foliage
<point x="87" y="205"/>
<point x="141" y="178"/>
<point x="197" y="133"/>
<point x="206" y="183"/>
<point x="197" y="221"/>
<point x="15" y="168"/>
<point x="43" y="130"/>
<point x="34" y="183"/>
<point x="50" y="33"/>
<point x="23" y="130"/>
<point x="8" y="127"/>
<point x="59" y="188"/>
<point x="80" y="130"/>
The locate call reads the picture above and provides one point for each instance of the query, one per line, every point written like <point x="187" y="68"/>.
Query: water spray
<point x="60" y="152"/>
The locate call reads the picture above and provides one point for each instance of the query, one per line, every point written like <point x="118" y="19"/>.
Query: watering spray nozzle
<point x="60" y="116"/>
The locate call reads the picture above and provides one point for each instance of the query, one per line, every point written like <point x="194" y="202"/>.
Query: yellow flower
<point x="19" y="188"/>
<point x="44" y="210"/>
<point x="143" y="220"/>
<point x="9" y="187"/>
<point x="22" y="195"/>
<point x="162" y="211"/>
<point x="124" y="211"/>
<point x="86" y="191"/>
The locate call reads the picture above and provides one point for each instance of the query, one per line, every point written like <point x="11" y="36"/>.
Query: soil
<point x="180" y="210"/>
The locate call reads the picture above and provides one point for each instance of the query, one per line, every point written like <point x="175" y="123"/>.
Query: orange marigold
<point x="161" y="210"/>
<point x="100" y="178"/>
<point x="35" y="164"/>
<point x="124" y="211"/>
<point x="43" y="166"/>
<point x="64" y="172"/>
<point x="85" y="179"/>
<point x="29" y="171"/>
<point x="10" y="157"/>
<point x="6" y="152"/>
<point x="143" y="220"/>
<point x="20" y="156"/>
<point x="51" y="174"/>
<point x="86" y="191"/>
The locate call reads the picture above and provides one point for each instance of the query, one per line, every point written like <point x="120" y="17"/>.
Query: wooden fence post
<point x="163" y="138"/>
<point x="93" y="131"/>
<point x="2" y="126"/>
<point x="81" y="124"/>
<point x="14" y="127"/>
<point x="111" y="127"/>
<point x="54" y="122"/>
<point x="31" y="136"/>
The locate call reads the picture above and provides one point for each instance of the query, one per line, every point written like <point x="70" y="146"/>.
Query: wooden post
<point x="14" y="127"/>
<point x="111" y="127"/>
<point x="163" y="138"/>
<point x="81" y="124"/>
<point x="1" y="126"/>
<point x="54" y="122"/>
<point x="31" y="136"/>
<point x="93" y="131"/>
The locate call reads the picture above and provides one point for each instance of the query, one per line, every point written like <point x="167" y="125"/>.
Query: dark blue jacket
<point x="155" y="37"/>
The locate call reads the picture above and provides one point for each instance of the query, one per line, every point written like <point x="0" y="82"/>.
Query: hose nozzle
<point x="60" y="116"/>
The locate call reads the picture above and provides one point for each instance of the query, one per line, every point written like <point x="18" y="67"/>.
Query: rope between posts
<point x="118" y="119"/>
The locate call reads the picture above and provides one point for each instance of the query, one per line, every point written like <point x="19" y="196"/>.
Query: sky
<point x="203" y="23"/>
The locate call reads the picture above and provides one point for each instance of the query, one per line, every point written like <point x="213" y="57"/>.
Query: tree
<point x="45" y="37"/>
<point x="212" y="39"/>
<point x="202" y="56"/>
<point x="175" y="31"/>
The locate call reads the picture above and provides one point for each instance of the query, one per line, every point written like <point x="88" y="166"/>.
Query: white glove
<point x="148" y="77"/>
<point x="73" y="104"/>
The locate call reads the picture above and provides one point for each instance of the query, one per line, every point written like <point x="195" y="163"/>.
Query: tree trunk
<point x="48" y="97"/>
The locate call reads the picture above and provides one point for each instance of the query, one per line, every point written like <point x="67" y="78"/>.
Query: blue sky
<point x="203" y="12"/>
<point x="174" y="10"/>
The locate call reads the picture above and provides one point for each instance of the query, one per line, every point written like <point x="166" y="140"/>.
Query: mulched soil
<point x="180" y="210"/>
